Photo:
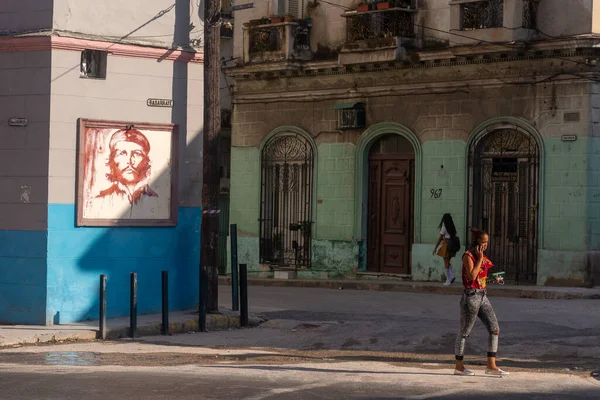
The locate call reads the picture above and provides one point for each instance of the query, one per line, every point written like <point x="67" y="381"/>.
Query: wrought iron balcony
<point x="380" y="24"/>
<point x="377" y="35"/>
<point x="488" y="20"/>
<point x="277" y="42"/>
<point x="482" y="15"/>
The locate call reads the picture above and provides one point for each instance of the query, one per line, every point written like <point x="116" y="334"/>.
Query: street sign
<point x="238" y="7"/>
<point x="17" y="122"/>
<point x="159" y="103"/>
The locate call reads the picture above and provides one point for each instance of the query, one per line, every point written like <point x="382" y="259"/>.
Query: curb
<point x="214" y="322"/>
<point x="407" y="287"/>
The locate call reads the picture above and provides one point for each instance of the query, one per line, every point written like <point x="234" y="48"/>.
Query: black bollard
<point x="103" y="307"/>
<point x="244" y="295"/>
<point x="202" y="300"/>
<point x="165" y="302"/>
<point x="133" y="305"/>
<point x="235" y="300"/>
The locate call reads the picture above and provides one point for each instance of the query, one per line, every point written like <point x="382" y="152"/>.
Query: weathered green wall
<point x="245" y="190"/>
<point x="571" y="211"/>
<point x="245" y="204"/>
<point x="335" y="191"/>
<point x="570" y="220"/>
<point x="448" y="185"/>
<point x="334" y="251"/>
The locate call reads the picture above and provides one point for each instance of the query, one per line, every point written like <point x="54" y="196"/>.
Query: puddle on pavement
<point x="71" y="358"/>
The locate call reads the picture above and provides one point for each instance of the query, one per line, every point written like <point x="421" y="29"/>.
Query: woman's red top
<point x="481" y="281"/>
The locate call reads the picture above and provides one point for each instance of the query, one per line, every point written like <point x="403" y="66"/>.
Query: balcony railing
<point x="276" y="42"/>
<point x="482" y="15"/>
<point x="376" y="24"/>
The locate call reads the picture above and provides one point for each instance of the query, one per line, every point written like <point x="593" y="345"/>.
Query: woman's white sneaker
<point x="464" y="372"/>
<point x="496" y="372"/>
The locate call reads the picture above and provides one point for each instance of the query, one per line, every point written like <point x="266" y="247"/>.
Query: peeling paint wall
<point x="443" y="124"/>
<point x="24" y="93"/>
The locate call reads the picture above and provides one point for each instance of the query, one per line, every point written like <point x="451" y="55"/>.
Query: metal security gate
<point x="223" y="232"/>
<point x="504" y="198"/>
<point x="286" y="201"/>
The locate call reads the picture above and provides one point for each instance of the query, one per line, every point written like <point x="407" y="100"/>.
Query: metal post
<point x="165" y="302"/>
<point x="133" y="305"/>
<point x="244" y="295"/>
<point x="235" y="300"/>
<point x="103" y="307"/>
<point x="202" y="300"/>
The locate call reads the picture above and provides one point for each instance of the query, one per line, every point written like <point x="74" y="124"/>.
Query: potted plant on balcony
<point x="384" y="4"/>
<point x="276" y="19"/>
<point x="362" y="6"/>
<point x="288" y="17"/>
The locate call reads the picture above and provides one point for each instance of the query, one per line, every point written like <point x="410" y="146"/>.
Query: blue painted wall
<point x="77" y="257"/>
<point x="22" y="277"/>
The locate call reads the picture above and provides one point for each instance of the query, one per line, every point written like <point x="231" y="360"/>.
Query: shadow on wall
<point x="78" y="256"/>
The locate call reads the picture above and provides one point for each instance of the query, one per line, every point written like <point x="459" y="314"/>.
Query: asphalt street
<point x="328" y="344"/>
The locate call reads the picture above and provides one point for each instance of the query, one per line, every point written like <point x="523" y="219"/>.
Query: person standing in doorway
<point x="447" y="231"/>
<point x="475" y="303"/>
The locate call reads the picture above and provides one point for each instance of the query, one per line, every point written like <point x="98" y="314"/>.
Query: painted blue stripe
<point x="22" y="277"/>
<point x="25" y="244"/>
<point x="77" y="257"/>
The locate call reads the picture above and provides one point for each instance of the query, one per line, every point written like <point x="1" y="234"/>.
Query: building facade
<point x="97" y="94"/>
<point x="357" y="126"/>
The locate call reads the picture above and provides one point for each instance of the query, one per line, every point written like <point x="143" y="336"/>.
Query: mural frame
<point x="172" y="129"/>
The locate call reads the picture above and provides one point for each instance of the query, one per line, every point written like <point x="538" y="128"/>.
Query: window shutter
<point x="296" y="8"/>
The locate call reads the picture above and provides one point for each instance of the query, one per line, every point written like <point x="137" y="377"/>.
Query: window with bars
<point x="351" y="116"/>
<point x="482" y="15"/>
<point x="93" y="64"/>
<point x="530" y="9"/>
<point x="286" y="201"/>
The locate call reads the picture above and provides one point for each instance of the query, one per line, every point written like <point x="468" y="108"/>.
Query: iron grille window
<point x="504" y="185"/>
<point x="302" y="38"/>
<point x="286" y="201"/>
<point x="265" y="38"/>
<point x="352" y="118"/>
<point x="530" y="8"/>
<point x="482" y="15"/>
<point x="93" y="64"/>
<point x="226" y="30"/>
<point x="385" y="24"/>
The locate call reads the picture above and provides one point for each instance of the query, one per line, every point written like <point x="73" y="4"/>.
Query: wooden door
<point x="389" y="223"/>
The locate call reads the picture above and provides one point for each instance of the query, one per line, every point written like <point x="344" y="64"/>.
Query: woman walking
<point x="447" y="231"/>
<point x="475" y="303"/>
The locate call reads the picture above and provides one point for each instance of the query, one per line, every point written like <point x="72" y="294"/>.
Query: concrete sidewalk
<point x="515" y="291"/>
<point x="147" y="325"/>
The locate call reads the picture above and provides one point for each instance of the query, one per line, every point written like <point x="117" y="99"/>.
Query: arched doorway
<point x="287" y="162"/>
<point x="391" y="182"/>
<point x="504" y="190"/>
